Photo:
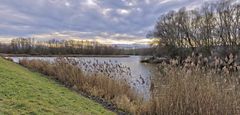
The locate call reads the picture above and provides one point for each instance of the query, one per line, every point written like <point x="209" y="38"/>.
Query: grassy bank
<point x="119" y="94"/>
<point x="25" y="92"/>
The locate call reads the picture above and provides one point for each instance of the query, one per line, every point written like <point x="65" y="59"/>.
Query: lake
<point x="141" y="73"/>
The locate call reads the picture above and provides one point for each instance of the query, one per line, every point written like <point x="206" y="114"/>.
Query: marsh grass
<point x="196" y="88"/>
<point x="68" y="72"/>
<point x="196" y="85"/>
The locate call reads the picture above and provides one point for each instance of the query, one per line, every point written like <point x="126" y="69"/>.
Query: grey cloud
<point x="32" y="17"/>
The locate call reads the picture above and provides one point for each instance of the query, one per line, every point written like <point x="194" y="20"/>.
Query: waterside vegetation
<point x="187" y="88"/>
<point x="26" y="92"/>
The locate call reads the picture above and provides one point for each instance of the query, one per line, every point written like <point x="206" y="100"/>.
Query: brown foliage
<point x="195" y="89"/>
<point x="186" y="89"/>
<point x="67" y="72"/>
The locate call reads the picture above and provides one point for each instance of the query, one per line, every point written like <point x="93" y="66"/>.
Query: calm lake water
<point x="141" y="73"/>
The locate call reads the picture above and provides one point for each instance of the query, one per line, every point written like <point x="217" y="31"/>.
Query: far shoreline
<point x="67" y="55"/>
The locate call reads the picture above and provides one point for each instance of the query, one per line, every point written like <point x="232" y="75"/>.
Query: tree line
<point x="212" y="25"/>
<point x="57" y="47"/>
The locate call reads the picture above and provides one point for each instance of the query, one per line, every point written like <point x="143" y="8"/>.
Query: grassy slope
<point x="26" y="92"/>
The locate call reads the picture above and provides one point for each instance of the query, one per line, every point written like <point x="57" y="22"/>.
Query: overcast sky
<point x="111" y="21"/>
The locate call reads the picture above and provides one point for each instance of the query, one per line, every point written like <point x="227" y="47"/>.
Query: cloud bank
<point x="111" y="20"/>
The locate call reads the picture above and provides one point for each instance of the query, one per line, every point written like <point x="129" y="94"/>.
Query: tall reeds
<point x="195" y="88"/>
<point x="196" y="85"/>
<point x="68" y="72"/>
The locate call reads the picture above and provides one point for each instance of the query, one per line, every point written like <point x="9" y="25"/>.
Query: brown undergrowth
<point x="188" y="88"/>
<point x="196" y="87"/>
<point x="68" y="73"/>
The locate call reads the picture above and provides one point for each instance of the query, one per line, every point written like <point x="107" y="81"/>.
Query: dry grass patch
<point x="191" y="87"/>
<point x="70" y="74"/>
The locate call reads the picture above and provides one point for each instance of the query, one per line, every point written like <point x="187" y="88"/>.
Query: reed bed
<point x="68" y="72"/>
<point x="195" y="85"/>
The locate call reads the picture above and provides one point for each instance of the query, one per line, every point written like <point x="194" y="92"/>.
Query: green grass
<point x="26" y="92"/>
